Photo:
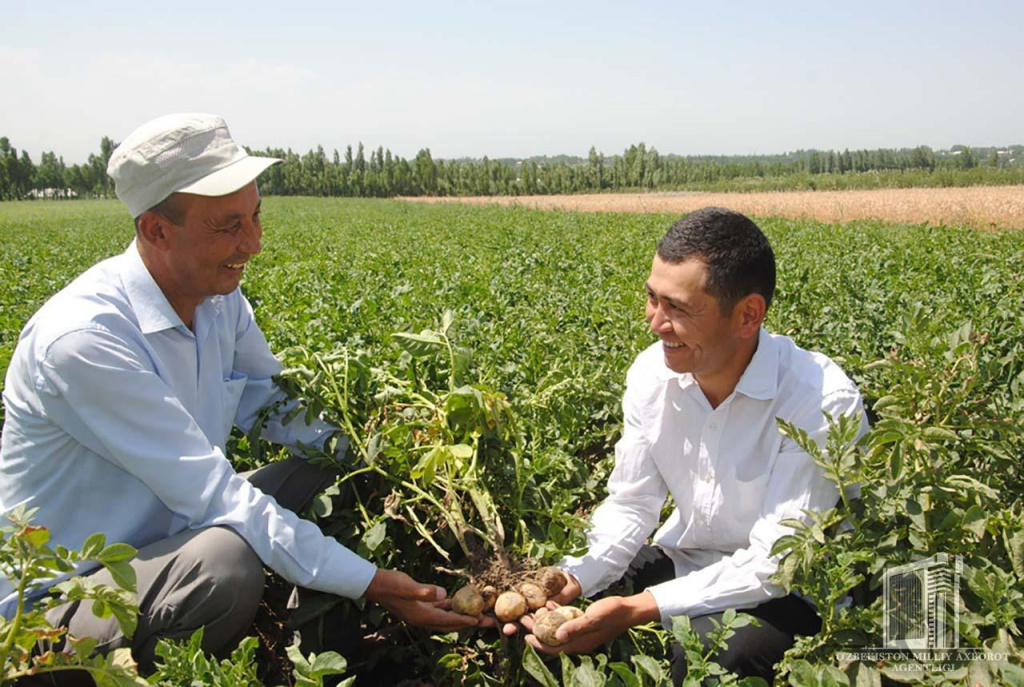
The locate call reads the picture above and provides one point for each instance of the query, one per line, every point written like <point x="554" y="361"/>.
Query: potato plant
<point x="430" y="453"/>
<point x="518" y="394"/>
<point x="29" y="644"/>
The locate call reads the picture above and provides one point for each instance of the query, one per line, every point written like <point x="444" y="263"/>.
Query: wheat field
<point x="982" y="207"/>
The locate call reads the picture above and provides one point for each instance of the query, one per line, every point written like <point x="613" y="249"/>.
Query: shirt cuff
<point x="587" y="571"/>
<point x="668" y="606"/>
<point x="345" y="573"/>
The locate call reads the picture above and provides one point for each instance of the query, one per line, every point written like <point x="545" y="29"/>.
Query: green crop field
<point x="499" y="415"/>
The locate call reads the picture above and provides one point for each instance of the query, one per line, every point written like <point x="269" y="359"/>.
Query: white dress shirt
<point x="732" y="475"/>
<point x="117" y="419"/>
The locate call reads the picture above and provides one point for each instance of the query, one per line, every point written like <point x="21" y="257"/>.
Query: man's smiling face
<point x="208" y="250"/>
<point x="695" y="336"/>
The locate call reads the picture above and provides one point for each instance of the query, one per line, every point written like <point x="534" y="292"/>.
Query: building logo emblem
<point x="922" y="604"/>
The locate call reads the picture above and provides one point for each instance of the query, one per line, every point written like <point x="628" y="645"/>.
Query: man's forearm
<point x="642" y="609"/>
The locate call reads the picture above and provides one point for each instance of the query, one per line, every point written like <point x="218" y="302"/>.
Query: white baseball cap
<point x="190" y="153"/>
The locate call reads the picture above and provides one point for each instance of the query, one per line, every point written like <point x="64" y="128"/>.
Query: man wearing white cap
<point x="122" y="393"/>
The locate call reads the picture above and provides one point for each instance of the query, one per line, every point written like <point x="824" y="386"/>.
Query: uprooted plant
<point x="441" y="481"/>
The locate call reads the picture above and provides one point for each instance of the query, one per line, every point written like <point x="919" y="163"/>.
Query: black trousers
<point x="752" y="651"/>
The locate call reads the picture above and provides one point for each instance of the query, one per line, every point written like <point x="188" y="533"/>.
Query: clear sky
<point x="513" y="79"/>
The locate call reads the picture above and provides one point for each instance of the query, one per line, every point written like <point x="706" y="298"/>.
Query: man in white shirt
<point x="122" y="393"/>
<point x="700" y="426"/>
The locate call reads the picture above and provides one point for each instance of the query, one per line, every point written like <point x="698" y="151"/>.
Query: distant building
<point x="51" y="193"/>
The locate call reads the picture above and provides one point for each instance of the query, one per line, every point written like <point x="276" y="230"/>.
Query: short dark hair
<point x="738" y="256"/>
<point x="174" y="207"/>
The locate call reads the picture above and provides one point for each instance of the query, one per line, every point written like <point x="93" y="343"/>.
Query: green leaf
<point x="568" y="669"/>
<point x="461" y="451"/>
<point x="123" y="574"/>
<point x="116" y="553"/>
<point x="833" y="677"/>
<point x="373" y="447"/>
<point x="427" y="465"/>
<point x="1015" y="548"/>
<point x="650" y="666"/>
<point x="323" y="506"/>
<point x="533" y="665"/>
<point x="978" y="674"/>
<point x="420" y="345"/>
<point x="939" y="434"/>
<point x="863" y="674"/>
<point x="1011" y="675"/>
<point x="916" y="513"/>
<point x="36" y="537"/>
<point x="127" y="618"/>
<point x="742" y="620"/>
<point x="623" y="672"/>
<point x="728" y="616"/>
<point x="93" y="545"/>
<point x="450" y="662"/>
<point x="886" y="402"/>
<point x="803" y="674"/>
<point x="586" y="675"/>
<point x="297" y="659"/>
<point x="83" y="646"/>
<point x="100" y="609"/>
<point x="328" y="663"/>
<point x="975" y="520"/>
<point x="121" y="670"/>
<point x="375" y="536"/>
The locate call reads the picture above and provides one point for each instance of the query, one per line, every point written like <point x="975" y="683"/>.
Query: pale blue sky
<point x="519" y="79"/>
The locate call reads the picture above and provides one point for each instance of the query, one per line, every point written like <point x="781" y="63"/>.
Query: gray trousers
<point x="198" y="578"/>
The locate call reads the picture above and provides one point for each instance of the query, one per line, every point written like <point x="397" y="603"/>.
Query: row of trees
<point x="51" y="178"/>
<point x="637" y="168"/>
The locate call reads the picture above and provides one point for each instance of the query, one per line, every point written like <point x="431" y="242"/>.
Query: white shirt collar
<point x="147" y="300"/>
<point x="760" y="379"/>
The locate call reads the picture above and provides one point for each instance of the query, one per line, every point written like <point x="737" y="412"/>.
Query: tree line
<point x="383" y="174"/>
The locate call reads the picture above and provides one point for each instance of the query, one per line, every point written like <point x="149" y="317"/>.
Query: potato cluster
<point x="513" y="604"/>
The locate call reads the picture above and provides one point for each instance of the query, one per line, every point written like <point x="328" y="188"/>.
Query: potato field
<point x="476" y="356"/>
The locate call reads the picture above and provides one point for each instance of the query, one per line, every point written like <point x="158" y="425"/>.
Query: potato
<point x="468" y="601"/>
<point x="552" y="580"/>
<point x="534" y="595"/>
<point x="545" y="626"/>
<point x="510" y="606"/>
<point x="490" y="595"/>
<point x="570" y="612"/>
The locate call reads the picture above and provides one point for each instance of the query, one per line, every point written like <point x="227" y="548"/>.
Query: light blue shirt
<point x="117" y="417"/>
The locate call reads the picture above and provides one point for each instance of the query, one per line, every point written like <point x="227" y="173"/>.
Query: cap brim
<point x="230" y="178"/>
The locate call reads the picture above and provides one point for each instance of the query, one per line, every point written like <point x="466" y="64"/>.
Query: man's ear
<point x="152" y="229"/>
<point x="748" y="315"/>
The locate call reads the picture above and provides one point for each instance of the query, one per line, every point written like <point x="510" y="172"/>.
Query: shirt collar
<point x="149" y="303"/>
<point x="761" y="378"/>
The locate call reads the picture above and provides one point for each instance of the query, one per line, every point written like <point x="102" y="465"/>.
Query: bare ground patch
<point x="983" y="207"/>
